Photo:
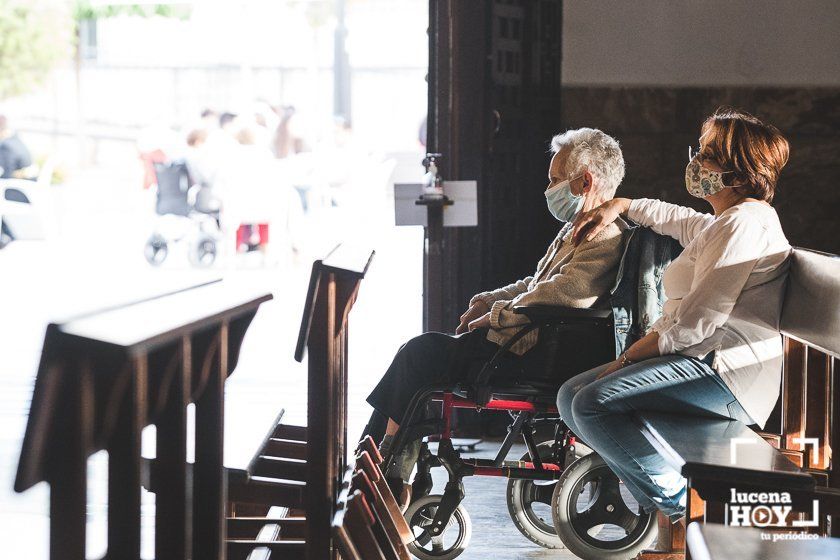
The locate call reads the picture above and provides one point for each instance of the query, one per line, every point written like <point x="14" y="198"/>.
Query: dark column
<point x="494" y="103"/>
<point x="456" y="124"/>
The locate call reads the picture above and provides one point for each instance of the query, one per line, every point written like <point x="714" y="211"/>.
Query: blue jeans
<point x="600" y="412"/>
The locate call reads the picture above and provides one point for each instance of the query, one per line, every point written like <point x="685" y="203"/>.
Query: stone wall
<point x="655" y="126"/>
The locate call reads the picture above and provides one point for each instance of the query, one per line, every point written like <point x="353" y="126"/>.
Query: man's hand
<point x="475" y="311"/>
<point x="481" y="322"/>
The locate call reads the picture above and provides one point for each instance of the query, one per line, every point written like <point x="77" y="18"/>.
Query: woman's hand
<point x="611" y="368"/>
<point x="475" y="311"/>
<point x="643" y="349"/>
<point x="589" y="224"/>
<point x="481" y="322"/>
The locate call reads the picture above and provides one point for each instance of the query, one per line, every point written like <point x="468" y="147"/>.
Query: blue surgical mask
<point x="562" y="202"/>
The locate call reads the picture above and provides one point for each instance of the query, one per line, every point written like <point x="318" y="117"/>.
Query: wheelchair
<point x="559" y="493"/>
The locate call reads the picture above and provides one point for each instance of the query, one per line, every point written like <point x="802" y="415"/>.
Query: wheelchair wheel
<point x="529" y="502"/>
<point x="156" y="250"/>
<point x="203" y="252"/>
<point x="450" y="543"/>
<point x="596" y="517"/>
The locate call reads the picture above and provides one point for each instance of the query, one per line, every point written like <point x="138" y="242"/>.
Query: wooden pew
<point x="810" y="415"/>
<point x="810" y="403"/>
<point x="255" y="484"/>
<point x="106" y="375"/>
<point x="312" y="459"/>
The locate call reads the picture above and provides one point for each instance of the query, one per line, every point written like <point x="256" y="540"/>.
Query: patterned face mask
<point x="702" y="182"/>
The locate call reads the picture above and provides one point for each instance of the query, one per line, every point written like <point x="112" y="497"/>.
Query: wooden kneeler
<point x="367" y="444"/>
<point x="346" y="548"/>
<point x="386" y="500"/>
<point x="358" y="522"/>
<point x="383" y="528"/>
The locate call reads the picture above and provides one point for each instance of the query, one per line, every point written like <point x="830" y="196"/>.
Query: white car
<point x="22" y="210"/>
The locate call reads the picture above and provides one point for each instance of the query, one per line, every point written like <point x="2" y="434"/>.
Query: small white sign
<point x="462" y="213"/>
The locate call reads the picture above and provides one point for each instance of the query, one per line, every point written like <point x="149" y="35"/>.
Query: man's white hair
<point x="595" y="151"/>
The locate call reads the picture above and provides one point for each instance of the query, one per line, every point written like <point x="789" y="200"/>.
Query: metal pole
<point x="341" y="66"/>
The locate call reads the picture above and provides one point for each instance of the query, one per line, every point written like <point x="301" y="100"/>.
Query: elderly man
<point x="585" y="171"/>
<point x="14" y="155"/>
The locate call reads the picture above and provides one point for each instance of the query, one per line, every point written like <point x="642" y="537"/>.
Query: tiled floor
<point x="493" y="533"/>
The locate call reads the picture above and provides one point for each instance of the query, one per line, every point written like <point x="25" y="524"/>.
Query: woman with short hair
<point x="716" y="349"/>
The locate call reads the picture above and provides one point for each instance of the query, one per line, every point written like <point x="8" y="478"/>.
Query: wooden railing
<point x="105" y="376"/>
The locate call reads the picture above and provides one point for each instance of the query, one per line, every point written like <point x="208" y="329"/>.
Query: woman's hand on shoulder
<point x="589" y="224"/>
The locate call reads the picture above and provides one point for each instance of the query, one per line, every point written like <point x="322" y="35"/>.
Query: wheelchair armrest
<point x="561" y="314"/>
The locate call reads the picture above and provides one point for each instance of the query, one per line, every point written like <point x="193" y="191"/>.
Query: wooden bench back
<point x="811" y="311"/>
<point x="332" y="291"/>
<point x="102" y="378"/>
<point x="810" y="324"/>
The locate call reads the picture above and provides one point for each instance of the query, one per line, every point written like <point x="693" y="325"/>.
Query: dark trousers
<point x="428" y="359"/>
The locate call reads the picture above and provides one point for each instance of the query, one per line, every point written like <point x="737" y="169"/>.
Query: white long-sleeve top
<point x="724" y="293"/>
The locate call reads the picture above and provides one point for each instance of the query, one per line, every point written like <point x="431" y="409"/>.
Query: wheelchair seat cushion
<point x="511" y="389"/>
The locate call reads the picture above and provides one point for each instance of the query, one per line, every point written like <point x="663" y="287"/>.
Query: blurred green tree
<point x="38" y="35"/>
<point x="35" y="36"/>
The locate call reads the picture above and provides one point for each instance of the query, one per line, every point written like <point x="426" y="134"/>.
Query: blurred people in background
<point x="288" y="145"/>
<point x="220" y="138"/>
<point x="156" y="143"/>
<point x="266" y="118"/>
<point x="202" y="169"/>
<point x="201" y="166"/>
<point x="14" y="155"/>
<point x="342" y="163"/>
<point x="287" y="140"/>
<point x="254" y="194"/>
<point x="209" y="119"/>
<point x="227" y="122"/>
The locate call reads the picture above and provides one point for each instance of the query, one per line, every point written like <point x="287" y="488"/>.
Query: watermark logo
<point x="765" y="509"/>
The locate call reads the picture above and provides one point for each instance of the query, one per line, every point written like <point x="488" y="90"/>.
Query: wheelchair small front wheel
<point x="156" y="250"/>
<point x="203" y="252"/>
<point x="450" y="543"/>
<point x="595" y="515"/>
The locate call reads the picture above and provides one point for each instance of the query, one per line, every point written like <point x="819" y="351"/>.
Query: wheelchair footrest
<point x="464" y="444"/>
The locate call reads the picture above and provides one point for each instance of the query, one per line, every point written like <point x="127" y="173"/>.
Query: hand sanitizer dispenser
<point x="432" y="181"/>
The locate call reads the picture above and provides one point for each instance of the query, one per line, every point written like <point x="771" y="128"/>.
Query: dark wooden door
<point x="494" y="103"/>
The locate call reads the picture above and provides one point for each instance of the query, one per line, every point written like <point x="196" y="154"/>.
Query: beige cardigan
<point x="567" y="275"/>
